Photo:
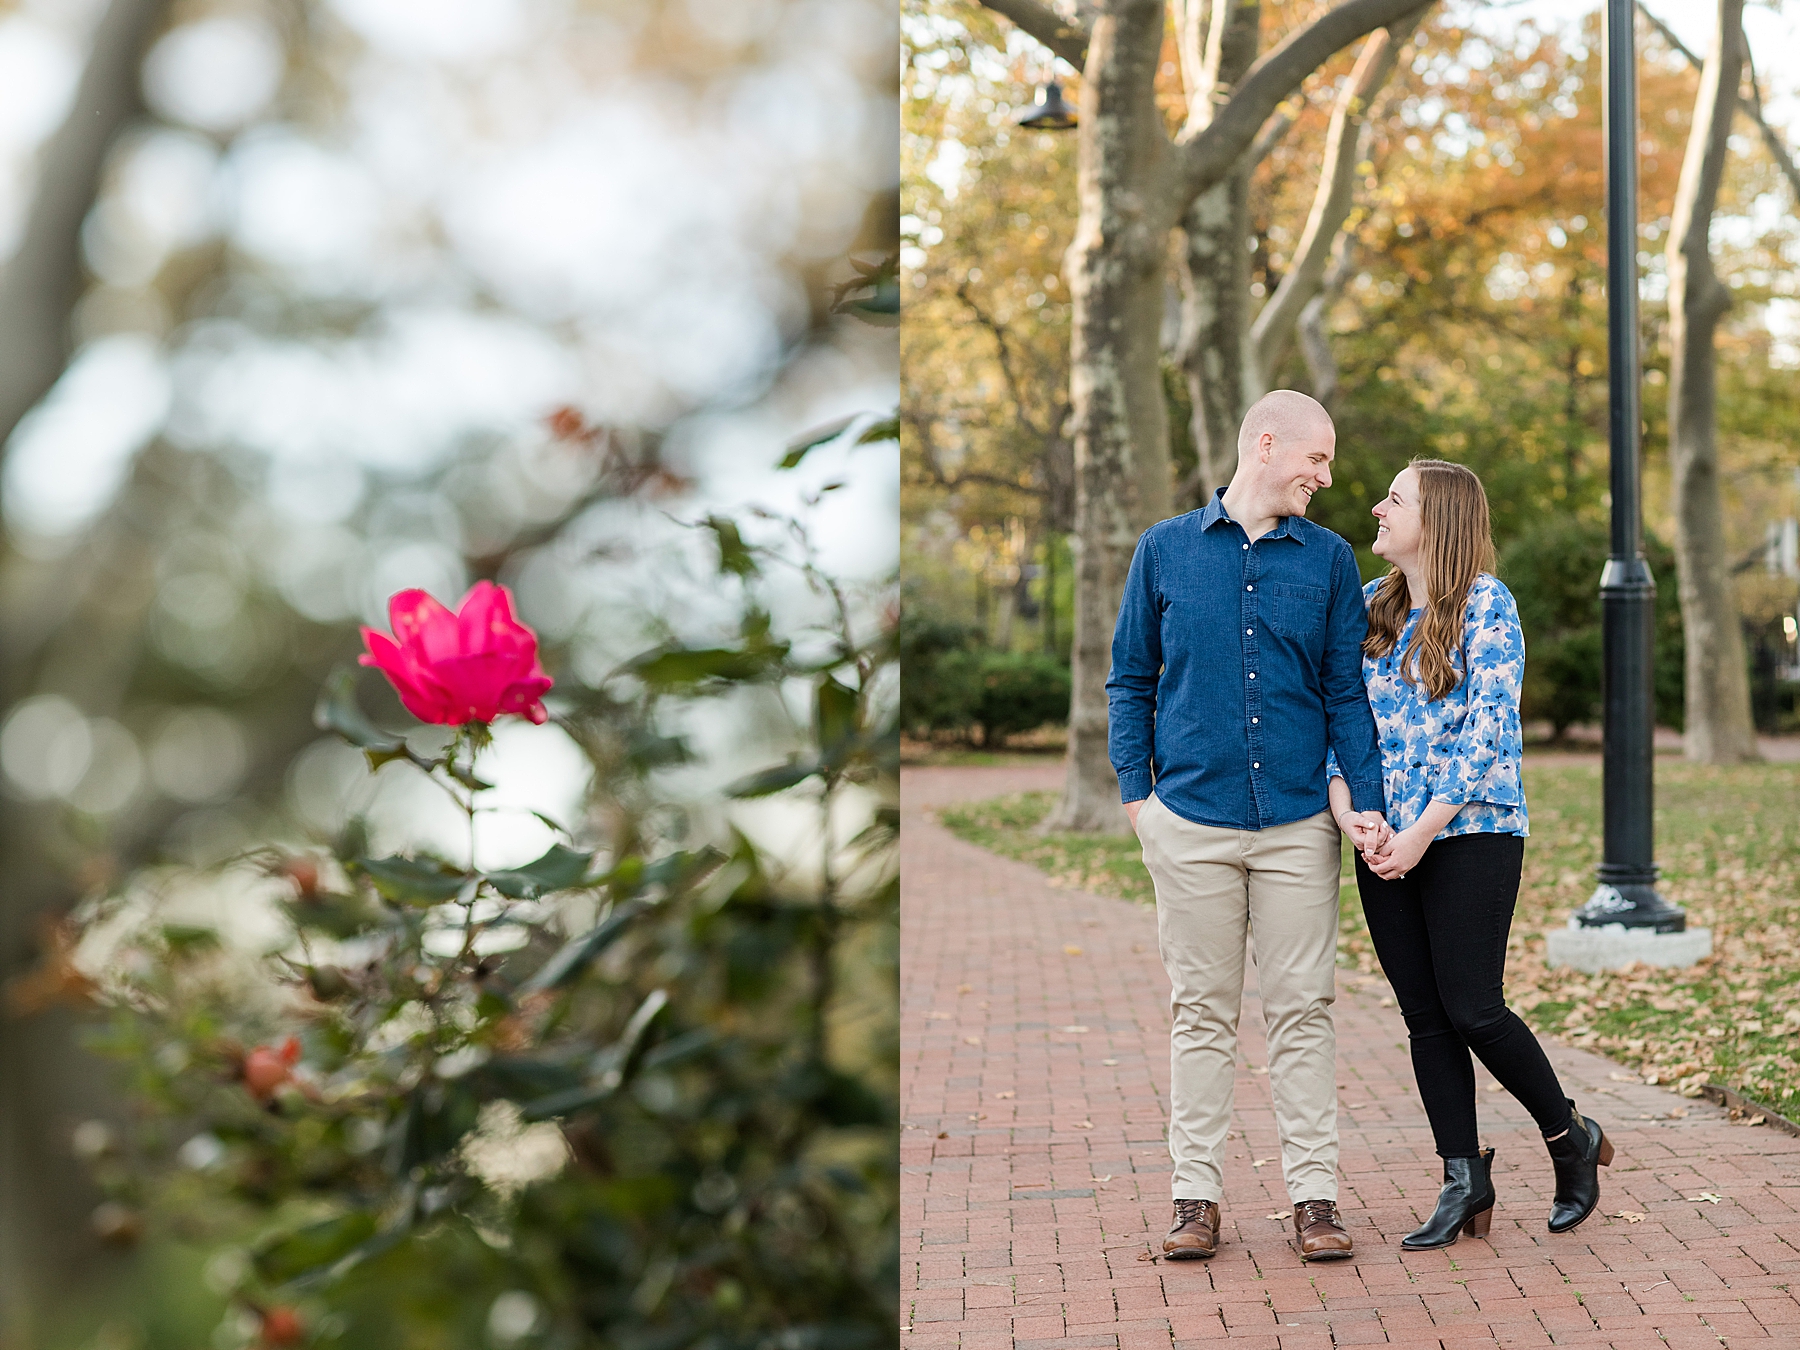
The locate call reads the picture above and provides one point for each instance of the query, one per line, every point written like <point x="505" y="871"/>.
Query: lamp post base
<point x="1631" y="905"/>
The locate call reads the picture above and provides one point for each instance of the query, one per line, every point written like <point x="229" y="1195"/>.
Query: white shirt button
<point x="1254" y="720"/>
<point x="1249" y="632"/>
<point x="1246" y="546"/>
<point x="1255" y="765"/>
<point x="1253" y="674"/>
<point x="1249" y="588"/>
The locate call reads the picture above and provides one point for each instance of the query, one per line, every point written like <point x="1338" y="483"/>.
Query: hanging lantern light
<point x="1051" y="112"/>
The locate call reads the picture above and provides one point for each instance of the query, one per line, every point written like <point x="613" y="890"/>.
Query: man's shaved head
<point x="1286" y="414"/>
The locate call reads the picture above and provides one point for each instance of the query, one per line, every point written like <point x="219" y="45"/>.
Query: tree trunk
<point x="1215" y="265"/>
<point x="1215" y="308"/>
<point x="1115" y="266"/>
<point x="1719" y="730"/>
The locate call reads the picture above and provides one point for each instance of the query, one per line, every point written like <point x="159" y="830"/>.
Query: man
<point x="1236" y="662"/>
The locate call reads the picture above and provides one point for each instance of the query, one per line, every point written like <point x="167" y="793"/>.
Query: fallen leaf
<point x="1678" y="1113"/>
<point x="938" y="1017"/>
<point x="1495" y="1087"/>
<point x="1260" y="1161"/>
<point x="1084" y="1124"/>
<point x="1146" y="1256"/>
<point x="971" y="1040"/>
<point x="1624" y="1077"/>
<point x="1071" y="950"/>
<point x="1005" y="1096"/>
<point x="943" y="1134"/>
<point x="1074" y="1031"/>
<point x="1354" y="1106"/>
<point x="1259" y="1068"/>
<point x="965" y="988"/>
<point x="1708" y="1197"/>
<point x="1756" y="1120"/>
<point x="1102" y="1180"/>
<point x="1629" y="1215"/>
<point x="1285" y="1214"/>
<point x="1109" y="1061"/>
<point x="983" y="1116"/>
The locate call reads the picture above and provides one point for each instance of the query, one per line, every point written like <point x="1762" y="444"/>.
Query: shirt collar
<point x="1215" y="512"/>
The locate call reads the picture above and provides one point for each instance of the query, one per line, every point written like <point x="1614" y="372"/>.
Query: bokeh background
<point x="306" y="301"/>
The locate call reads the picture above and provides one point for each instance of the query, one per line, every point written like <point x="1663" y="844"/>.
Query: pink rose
<point x="469" y="666"/>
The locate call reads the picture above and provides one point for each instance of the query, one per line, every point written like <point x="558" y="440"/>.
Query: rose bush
<point x="635" y="1092"/>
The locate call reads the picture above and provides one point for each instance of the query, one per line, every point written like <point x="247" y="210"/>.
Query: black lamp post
<point x="1051" y="112"/>
<point x="1627" y="892"/>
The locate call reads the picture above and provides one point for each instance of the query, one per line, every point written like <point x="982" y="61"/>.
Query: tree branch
<point x="1208" y="155"/>
<point x="39" y="287"/>
<point x="998" y="329"/>
<point x="1067" y="38"/>
<point x="1272" y="131"/>
<point x="1273" y="331"/>
<point x="1752" y="106"/>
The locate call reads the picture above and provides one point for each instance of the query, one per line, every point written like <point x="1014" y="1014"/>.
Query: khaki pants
<point x="1279" y="886"/>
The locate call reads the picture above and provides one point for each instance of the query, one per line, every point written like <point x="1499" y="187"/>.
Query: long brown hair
<point x="1456" y="545"/>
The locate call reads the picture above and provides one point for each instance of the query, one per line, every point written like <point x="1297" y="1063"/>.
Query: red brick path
<point x="1035" y="1174"/>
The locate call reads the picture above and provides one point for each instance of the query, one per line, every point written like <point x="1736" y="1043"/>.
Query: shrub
<point x="1017" y="692"/>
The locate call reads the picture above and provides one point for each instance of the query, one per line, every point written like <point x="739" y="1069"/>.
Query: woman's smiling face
<point x="1402" y="526"/>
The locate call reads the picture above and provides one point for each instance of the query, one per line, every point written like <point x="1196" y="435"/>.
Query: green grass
<point x="1729" y="843"/>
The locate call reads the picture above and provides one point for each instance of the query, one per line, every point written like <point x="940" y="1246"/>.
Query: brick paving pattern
<point x="1034" y="1077"/>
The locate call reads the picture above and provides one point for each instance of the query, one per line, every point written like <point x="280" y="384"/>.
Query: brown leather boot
<point x="1195" y="1235"/>
<point x="1319" y="1232"/>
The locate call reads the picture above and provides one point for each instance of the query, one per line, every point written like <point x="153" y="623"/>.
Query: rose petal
<point x="423" y="626"/>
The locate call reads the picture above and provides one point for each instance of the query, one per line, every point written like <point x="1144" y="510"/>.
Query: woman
<point x="1443" y="662"/>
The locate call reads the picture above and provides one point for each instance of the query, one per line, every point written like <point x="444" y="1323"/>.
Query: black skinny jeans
<point x="1440" y="932"/>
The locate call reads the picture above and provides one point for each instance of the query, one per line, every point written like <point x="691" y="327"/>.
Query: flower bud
<point x="268" y="1067"/>
<point x="281" y="1326"/>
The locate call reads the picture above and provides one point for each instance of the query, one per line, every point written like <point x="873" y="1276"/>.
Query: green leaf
<point x="769" y="781"/>
<point x="672" y="667"/>
<point x="578" y="953"/>
<point x="558" y="870"/>
<point x="186" y="939"/>
<point x="337" y="710"/>
<point x="437" y="1117"/>
<point x="288" y="1255"/>
<point x="887" y="429"/>
<point x="520" y="1079"/>
<point x="735" y="555"/>
<point x="413" y="879"/>
<point x="340" y="916"/>
<point x="798" y="450"/>
<point x="460" y="773"/>
<point x="612" y="1066"/>
<point x="836" y="721"/>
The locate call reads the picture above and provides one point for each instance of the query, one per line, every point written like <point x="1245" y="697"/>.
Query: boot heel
<point x="1606" y="1151"/>
<point x="1478" y="1224"/>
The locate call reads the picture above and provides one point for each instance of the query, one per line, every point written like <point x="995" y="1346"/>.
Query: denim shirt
<point x="1233" y="665"/>
<point x="1466" y="747"/>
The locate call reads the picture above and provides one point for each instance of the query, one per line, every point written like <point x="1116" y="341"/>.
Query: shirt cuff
<point x="1365" y="795"/>
<point x="1134" y="785"/>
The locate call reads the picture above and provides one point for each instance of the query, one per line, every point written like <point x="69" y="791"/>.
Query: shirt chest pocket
<point x="1295" y="611"/>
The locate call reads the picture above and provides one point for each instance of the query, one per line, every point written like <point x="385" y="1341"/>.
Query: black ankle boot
<point x="1577" y="1157"/>
<point x="1465" y="1205"/>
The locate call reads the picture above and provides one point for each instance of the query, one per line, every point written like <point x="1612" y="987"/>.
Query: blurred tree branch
<point x="42" y="282"/>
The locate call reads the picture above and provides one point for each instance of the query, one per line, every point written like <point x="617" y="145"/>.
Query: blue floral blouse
<point x="1466" y="746"/>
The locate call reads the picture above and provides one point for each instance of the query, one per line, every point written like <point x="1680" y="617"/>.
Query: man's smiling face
<point x="1300" y="465"/>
